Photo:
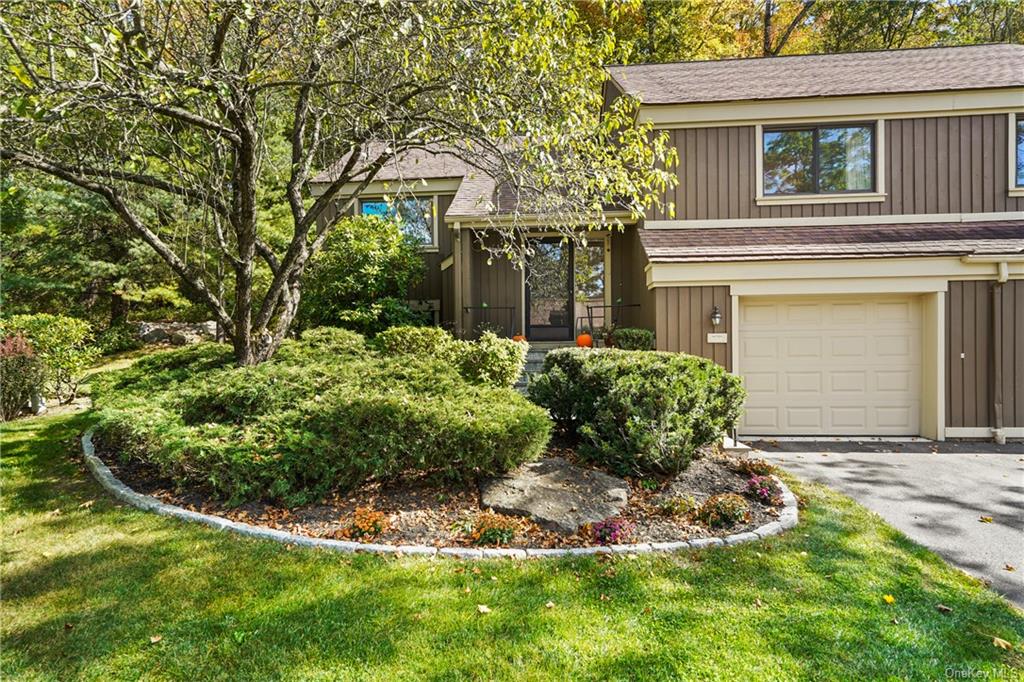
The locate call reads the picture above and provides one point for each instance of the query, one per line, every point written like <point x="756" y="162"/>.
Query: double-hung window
<point x="414" y="215"/>
<point x="819" y="159"/>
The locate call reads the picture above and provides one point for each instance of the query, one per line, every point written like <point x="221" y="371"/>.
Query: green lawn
<point x="87" y="582"/>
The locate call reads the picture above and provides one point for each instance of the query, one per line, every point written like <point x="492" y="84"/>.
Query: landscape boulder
<point x="556" y="494"/>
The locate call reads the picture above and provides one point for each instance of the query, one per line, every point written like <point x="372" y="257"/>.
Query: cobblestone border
<point x="787" y="519"/>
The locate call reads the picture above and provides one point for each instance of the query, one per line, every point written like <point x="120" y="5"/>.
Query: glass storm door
<point x="549" y="291"/>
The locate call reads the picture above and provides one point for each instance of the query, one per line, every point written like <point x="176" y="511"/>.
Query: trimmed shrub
<point x="724" y="510"/>
<point x="61" y="343"/>
<point x="319" y="343"/>
<point x="406" y="340"/>
<point x="118" y="339"/>
<point x="491" y="360"/>
<point x="632" y="338"/>
<point x="638" y="412"/>
<point x="21" y="376"/>
<point x="307" y="422"/>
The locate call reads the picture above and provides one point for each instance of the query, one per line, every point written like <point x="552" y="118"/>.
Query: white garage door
<point x="838" y="365"/>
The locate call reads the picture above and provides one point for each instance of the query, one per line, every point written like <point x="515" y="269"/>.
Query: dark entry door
<point x="549" y="291"/>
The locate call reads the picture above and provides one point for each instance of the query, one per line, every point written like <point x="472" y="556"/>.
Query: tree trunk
<point x="118" y="309"/>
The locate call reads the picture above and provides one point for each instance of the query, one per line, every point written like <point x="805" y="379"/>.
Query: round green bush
<point x="638" y="412"/>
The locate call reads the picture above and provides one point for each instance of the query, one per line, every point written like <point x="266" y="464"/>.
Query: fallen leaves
<point x="155" y="639"/>
<point x="1001" y="643"/>
<point x="483" y="608"/>
<point x="986" y="519"/>
<point x="1009" y="567"/>
<point x="888" y="599"/>
<point x="87" y="504"/>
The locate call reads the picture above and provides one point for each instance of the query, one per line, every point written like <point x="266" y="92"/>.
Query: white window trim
<point x="805" y="199"/>
<point x="434" y="246"/>
<point x="1012" y="188"/>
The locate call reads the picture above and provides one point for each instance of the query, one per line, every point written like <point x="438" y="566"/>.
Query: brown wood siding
<point x="498" y="285"/>
<point x="984" y="324"/>
<point x="431" y="287"/>
<point x="932" y="165"/>
<point x="684" y="321"/>
<point x="629" y="281"/>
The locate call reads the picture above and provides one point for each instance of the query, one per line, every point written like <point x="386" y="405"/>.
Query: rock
<point x="177" y="333"/>
<point x="556" y="494"/>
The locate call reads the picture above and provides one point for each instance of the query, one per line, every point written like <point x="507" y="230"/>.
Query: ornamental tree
<point x="213" y="105"/>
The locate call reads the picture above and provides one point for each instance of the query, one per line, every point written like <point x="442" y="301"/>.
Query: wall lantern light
<point x="716" y="316"/>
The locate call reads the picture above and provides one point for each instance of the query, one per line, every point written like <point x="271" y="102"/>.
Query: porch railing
<point x="493" y="316"/>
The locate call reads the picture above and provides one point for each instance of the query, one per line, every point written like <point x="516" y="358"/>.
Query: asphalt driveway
<point x="936" y="493"/>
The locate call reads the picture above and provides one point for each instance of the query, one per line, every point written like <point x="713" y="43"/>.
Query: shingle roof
<point x="832" y="241"/>
<point x="415" y="164"/>
<point x="825" y="75"/>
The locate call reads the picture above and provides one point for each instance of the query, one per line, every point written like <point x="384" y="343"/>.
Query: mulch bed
<point x="425" y="511"/>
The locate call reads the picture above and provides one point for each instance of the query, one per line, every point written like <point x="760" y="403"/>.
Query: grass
<point x="87" y="582"/>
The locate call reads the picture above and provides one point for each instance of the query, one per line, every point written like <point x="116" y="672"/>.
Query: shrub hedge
<point x="61" y="343"/>
<point x="632" y="338"/>
<point x="489" y="361"/>
<point x="327" y="412"/>
<point x="638" y="411"/>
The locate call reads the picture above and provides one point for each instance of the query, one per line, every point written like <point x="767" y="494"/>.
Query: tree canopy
<point x="208" y="103"/>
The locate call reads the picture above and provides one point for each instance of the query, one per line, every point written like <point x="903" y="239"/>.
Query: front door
<point x="549" y="291"/>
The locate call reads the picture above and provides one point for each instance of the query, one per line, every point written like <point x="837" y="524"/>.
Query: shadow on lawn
<point x="227" y="606"/>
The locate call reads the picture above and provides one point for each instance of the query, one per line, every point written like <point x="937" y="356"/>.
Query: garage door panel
<point x="848" y="382"/>
<point x="802" y="347"/>
<point x="831" y="365"/>
<point x="849" y="417"/>
<point x="804" y="418"/>
<point x="849" y="346"/>
<point x="756" y="347"/>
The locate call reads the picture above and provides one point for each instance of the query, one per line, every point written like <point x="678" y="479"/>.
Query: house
<point x="847" y="234"/>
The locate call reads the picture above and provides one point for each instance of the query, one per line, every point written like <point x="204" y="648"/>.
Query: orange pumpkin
<point x="519" y="337"/>
<point x="585" y="340"/>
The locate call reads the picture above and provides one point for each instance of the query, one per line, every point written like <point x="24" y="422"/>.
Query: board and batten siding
<point x="952" y="164"/>
<point x="684" y="321"/>
<point x="499" y="285"/>
<point x="985" y="353"/>
<point x="431" y="287"/>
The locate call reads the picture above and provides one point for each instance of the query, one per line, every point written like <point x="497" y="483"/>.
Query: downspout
<point x="997" y="358"/>
<point x="1003" y="275"/>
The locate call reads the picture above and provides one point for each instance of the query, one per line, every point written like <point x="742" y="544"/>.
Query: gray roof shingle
<point x="825" y="75"/>
<point x="415" y="164"/>
<point x="819" y="242"/>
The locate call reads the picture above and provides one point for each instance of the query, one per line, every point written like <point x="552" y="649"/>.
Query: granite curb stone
<point x="788" y="518"/>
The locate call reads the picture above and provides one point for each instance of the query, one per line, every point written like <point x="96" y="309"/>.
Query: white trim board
<point x="983" y="431"/>
<point x="855" y="275"/>
<point x="806" y="221"/>
<point x="807" y="109"/>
